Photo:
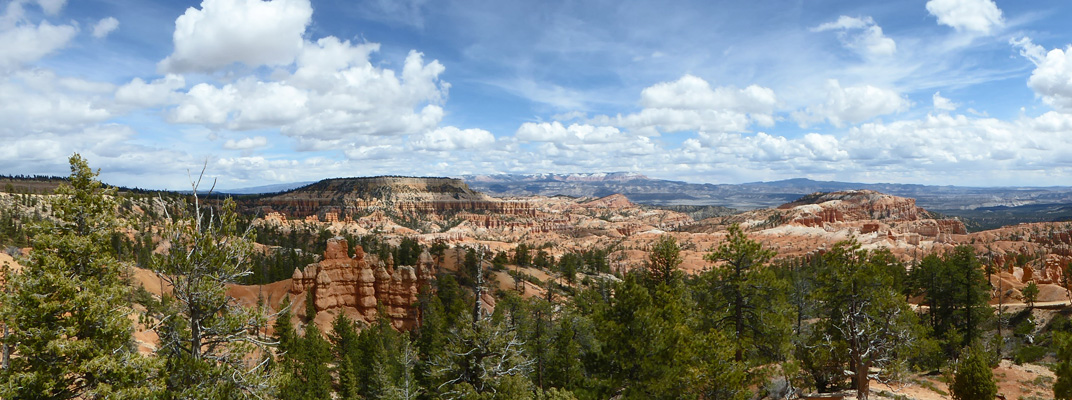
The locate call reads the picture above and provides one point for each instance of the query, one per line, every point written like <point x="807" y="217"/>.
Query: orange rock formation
<point x="339" y="282"/>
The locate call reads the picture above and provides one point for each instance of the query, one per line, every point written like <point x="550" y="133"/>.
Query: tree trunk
<point x="863" y="384"/>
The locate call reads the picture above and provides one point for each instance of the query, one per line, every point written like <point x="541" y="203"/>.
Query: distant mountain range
<point x="984" y="207"/>
<point x="981" y="207"/>
<point x="744" y="196"/>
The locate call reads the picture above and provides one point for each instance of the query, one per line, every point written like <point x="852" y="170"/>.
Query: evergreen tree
<point x="663" y="259"/>
<point x="1031" y="292"/>
<point x="207" y="339"/>
<point x="956" y="291"/>
<point x="521" y="255"/>
<point x="973" y="379"/>
<point x="307" y="376"/>
<point x="377" y="367"/>
<point x="344" y="340"/>
<point x="1062" y="388"/>
<point x="483" y="358"/>
<point x="865" y="313"/>
<point x="745" y="298"/>
<point x="66" y="313"/>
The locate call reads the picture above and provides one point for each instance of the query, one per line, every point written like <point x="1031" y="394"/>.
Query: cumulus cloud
<point x="862" y="35"/>
<point x="22" y="42"/>
<point x="691" y="104"/>
<point x="246" y="143"/>
<point x="334" y="96"/>
<point x="158" y="92"/>
<point x="555" y="132"/>
<point x="853" y="104"/>
<point x="451" y="138"/>
<point x="30" y="103"/>
<point x="104" y="27"/>
<point x="978" y="16"/>
<point x="251" y="32"/>
<point x="942" y="103"/>
<point x="1052" y="78"/>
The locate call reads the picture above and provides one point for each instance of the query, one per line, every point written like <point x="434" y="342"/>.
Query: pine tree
<point x="1031" y="292"/>
<point x="1062" y="388"/>
<point x="748" y="299"/>
<point x="865" y="313"/>
<point x="66" y="313"/>
<point x="973" y="379"/>
<point x="207" y="339"/>
<point x="344" y="340"/>
<point x="664" y="258"/>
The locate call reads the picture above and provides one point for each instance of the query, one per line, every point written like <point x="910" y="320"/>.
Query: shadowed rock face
<point x="401" y="195"/>
<point x="362" y="283"/>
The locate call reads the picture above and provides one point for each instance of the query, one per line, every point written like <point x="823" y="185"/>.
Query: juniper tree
<point x="67" y="312"/>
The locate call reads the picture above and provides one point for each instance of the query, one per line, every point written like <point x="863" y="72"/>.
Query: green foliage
<point x="1029" y="353"/>
<point x="663" y="259"/>
<point x="678" y="360"/>
<point x="310" y="306"/>
<point x="745" y="299"/>
<point x="66" y="313"/>
<point x="276" y="265"/>
<point x="1030" y="292"/>
<point x="522" y="256"/>
<point x="306" y="368"/>
<point x="864" y="312"/>
<point x="209" y="342"/>
<point x="344" y="340"/>
<point x="956" y="292"/>
<point x="1062" y="388"/>
<point x="482" y="358"/>
<point x="973" y="379"/>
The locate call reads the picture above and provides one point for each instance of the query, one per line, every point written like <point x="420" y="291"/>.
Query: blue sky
<point x="963" y="92"/>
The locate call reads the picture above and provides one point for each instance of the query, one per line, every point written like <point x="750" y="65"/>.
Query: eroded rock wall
<point x="362" y="283"/>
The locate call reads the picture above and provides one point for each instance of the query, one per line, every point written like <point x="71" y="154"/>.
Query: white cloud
<point x="246" y="143"/>
<point x="105" y="26"/>
<point x="158" y="92"/>
<point x="52" y="7"/>
<point x="862" y="35"/>
<point x="451" y="138"/>
<point x="555" y="132"/>
<point x="24" y="43"/>
<point x="334" y="96"/>
<point x="980" y="16"/>
<point x="32" y="104"/>
<point x="224" y="32"/>
<point x="1029" y="49"/>
<point x="942" y="103"/>
<point x="1052" y="78"/>
<point x="693" y="93"/>
<point x="691" y="104"/>
<point x="853" y="104"/>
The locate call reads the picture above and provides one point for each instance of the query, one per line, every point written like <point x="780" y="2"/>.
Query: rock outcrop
<point x="341" y="282"/>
